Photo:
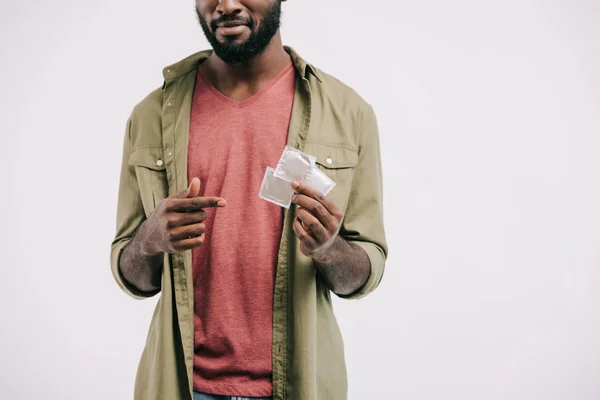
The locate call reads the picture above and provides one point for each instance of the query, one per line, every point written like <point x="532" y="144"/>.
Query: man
<point x="245" y="307"/>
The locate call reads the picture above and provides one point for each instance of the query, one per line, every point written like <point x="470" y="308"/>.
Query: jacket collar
<point x="191" y="63"/>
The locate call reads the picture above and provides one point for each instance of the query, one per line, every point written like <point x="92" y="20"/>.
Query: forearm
<point x="344" y="267"/>
<point x="140" y="269"/>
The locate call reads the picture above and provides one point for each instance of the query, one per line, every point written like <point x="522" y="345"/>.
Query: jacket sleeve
<point x="363" y="220"/>
<point x="130" y="215"/>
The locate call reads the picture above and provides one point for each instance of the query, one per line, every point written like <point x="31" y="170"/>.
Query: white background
<point x="490" y="130"/>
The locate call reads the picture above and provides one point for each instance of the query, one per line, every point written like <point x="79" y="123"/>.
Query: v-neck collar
<point x="250" y="100"/>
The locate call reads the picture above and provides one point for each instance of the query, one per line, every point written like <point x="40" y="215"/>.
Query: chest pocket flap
<point x="150" y="170"/>
<point x="338" y="162"/>
<point x="332" y="156"/>
<point x="149" y="157"/>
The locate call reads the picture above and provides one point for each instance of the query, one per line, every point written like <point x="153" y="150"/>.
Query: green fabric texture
<point x="330" y="121"/>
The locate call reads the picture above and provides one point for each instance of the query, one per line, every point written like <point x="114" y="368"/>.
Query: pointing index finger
<point x="198" y="203"/>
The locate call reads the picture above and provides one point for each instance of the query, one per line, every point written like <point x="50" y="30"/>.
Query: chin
<point x="233" y="41"/>
<point x="238" y="40"/>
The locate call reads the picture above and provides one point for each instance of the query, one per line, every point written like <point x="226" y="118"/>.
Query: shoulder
<point x="146" y="115"/>
<point x="338" y="109"/>
<point x="340" y="92"/>
<point x="149" y="106"/>
<point x="338" y="96"/>
<point x="145" y="121"/>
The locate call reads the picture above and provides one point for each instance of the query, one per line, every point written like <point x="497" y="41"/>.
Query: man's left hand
<point x="317" y="221"/>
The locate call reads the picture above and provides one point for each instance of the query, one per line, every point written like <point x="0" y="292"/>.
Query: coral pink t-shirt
<point x="231" y="144"/>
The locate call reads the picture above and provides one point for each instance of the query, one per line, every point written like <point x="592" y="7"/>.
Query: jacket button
<point x="329" y="160"/>
<point x="159" y="162"/>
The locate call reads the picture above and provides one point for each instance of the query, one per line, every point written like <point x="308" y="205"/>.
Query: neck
<point x="265" y="65"/>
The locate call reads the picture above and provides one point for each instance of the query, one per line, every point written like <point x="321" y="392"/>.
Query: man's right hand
<point x="176" y="224"/>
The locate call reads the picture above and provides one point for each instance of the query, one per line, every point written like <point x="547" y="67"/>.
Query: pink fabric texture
<point x="231" y="144"/>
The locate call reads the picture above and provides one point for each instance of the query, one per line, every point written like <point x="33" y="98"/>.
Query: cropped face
<point x="239" y="30"/>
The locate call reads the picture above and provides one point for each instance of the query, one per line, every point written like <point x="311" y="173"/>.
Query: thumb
<point x="194" y="189"/>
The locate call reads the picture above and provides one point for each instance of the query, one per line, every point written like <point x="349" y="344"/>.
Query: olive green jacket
<point x="330" y="121"/>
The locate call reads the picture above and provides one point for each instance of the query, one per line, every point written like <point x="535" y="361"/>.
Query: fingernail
<point x="295" y="184"/>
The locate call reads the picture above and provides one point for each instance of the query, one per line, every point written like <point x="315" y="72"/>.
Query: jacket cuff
<point x="115" y="255"/>
<point x="377" y="260"/>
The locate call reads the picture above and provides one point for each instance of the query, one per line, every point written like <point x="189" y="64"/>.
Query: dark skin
<point x="343" y="266"/>
<point x="241" y="81"/>
<point x="177" y="224"/>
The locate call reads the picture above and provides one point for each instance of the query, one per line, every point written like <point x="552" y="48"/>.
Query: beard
<point x="233" y="53"/>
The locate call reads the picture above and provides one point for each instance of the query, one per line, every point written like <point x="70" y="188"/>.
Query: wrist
<point x="144" y="246"/>
<point x="147" y="251"/>
<point x="327" y="255"/>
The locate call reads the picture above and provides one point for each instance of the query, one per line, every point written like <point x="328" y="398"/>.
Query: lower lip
<point x="231" y="30"/>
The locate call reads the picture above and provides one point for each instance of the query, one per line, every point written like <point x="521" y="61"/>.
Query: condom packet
<point x="319" y="181"/>
<point x="294" y="165"/>
<point x="275" y="190"/>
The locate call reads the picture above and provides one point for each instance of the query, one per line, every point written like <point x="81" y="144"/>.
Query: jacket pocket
<point x="338" y="163"/>
<point x="151" y="174"/>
